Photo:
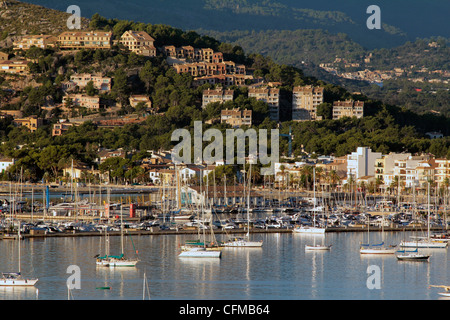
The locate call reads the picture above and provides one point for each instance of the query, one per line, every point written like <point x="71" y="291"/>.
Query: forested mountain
<point x="401" y="19"/>
<point x="306" y="34"/>
<point x="384" y="128"/>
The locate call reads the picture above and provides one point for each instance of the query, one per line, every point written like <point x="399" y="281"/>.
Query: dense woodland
<point x="385" y="128"/>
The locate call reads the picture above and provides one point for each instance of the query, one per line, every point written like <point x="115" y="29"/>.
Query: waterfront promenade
<point x="237" y="231"/>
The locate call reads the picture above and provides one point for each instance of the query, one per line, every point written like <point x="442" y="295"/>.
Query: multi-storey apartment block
<point x="31" y="122"/>
<point x="81" y="100"/>
<point x="193" y="54"/>
<point x="442" y="172"/>
<point x="236" y="117"/>
<point x="217" y="95"/>
<point x="199" y="69"/>
<point x="39" y="41"/>
<point x="223" y="80"/>
<point x="348" y="108"/>
<point x="61" y="127"/>
<point x="100" y="82"/>
<point x="384" y="166"/>
<point x="305" y="100"/>
<point x="14" y="66"/>
<point x="271" y="96"/>
<point x="75" y="40"/>
<point x="139" y="42"/>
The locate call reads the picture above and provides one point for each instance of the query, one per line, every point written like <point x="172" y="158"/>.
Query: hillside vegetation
<point x="384" y="128"/>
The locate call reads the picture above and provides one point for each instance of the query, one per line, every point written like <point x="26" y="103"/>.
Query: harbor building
<point x="361" y="163"/>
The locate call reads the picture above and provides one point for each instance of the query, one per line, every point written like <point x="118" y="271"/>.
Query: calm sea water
<point x="280" y="270"/>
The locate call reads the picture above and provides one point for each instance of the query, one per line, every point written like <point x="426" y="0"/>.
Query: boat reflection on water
<point x="19" y="293"/>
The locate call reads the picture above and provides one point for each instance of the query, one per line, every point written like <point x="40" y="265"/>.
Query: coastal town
<point x="130" y="150"/>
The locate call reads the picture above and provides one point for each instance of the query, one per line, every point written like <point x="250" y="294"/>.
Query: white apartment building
<point x="384" y="166"/>
<point x="5" y="163"/>
<point x="362" y="163"/>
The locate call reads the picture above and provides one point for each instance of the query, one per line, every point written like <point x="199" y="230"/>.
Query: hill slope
<point x="18" y="18"/>
<point x="402" y="19"/>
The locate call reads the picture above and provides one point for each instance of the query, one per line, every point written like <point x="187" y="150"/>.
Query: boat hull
<point x="377" y="251"/>
<point x="317" y="248"/>
<point x="117" y="263"/>
<point x="309" y="230"/>
<point x="18" y="282"/>
<point x="423" y="244"/>
<point x="242" y="243"/>
<point x="413" y="257"/>
<point x="200" y="253"/>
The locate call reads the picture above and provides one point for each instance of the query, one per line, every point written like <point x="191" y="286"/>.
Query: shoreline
<point x="157" y="231"/>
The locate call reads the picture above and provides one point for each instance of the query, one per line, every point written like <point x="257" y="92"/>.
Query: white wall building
<point x="362" y="163"/>
<point x="5" y="163"/>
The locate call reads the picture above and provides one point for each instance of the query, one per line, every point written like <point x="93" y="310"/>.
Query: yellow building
<point x="348" y="108"/>
<point x="271" y="96"/>
<point x="40" y="41"/>
<point x="14" y="66"/>
<point x="85" y="40"/>
<point x="305" y="100"/>
<point x="216" y="95"/>
<point x="442" y="172"/>
<point x="139" y="42"/>
<point x="31" y="122"/>
<point x="236" y="117"/>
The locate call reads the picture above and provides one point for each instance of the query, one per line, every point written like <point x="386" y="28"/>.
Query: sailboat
<point x="116" y="261"/>
<point x="425" y="242"/>
<point x="245" y="241"/>
<point x="379" y="248"/>
<point x="15" y="278"/>
<point x="320" y="247"/>
<point x="198" y="248"/>
<point x="311" y="229"/>
<point x="412" y="255"/>
<point x="447" y="290"/>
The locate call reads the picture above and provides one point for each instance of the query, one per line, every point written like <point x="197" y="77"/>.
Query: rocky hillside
<point x="19" y="18"/>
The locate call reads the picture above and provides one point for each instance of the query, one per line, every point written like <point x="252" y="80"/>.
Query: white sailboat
<point x="199" y="249"/>
<point x="425" y="242"/>
<point x="376" y="248"/>
<point x="245" y="242"/>
<point x="116" y="261"/>
<point x="15" y="278"/>
<point x="320" y="247"/>
<point x="311" y="229"/>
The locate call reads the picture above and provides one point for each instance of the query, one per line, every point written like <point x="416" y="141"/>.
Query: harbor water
<point x="280" y="270"/>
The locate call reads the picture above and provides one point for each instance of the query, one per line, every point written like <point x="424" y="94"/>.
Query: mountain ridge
<point x="223" y="15"/>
